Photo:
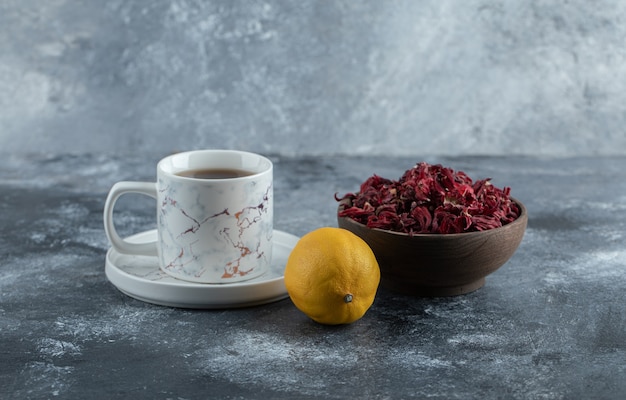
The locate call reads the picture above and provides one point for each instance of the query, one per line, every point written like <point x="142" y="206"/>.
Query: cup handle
<point x="119" y="244"/>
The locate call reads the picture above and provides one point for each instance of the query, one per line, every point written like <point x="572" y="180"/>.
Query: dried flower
<point x="430" y="199"/>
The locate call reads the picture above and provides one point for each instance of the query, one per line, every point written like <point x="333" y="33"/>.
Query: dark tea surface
<point x="215" y="173"/>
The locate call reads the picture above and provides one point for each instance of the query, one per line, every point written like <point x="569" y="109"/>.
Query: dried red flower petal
<point x="430" y="199"/>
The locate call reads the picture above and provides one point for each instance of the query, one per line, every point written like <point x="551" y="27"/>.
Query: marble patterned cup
<point x="210" y="230"/>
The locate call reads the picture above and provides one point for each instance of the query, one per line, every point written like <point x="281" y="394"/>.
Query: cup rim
<point x="173" y="175"/>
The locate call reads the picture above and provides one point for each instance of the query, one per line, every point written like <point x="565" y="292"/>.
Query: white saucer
<point x="141" y="278"/>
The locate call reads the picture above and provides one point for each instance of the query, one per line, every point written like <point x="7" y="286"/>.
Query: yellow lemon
<point x="332" y="276"/>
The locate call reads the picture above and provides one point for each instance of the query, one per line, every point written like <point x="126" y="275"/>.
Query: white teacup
<point x="214" y="215"/>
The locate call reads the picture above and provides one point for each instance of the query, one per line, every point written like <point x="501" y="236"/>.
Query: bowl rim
<point x="521" y="219"/>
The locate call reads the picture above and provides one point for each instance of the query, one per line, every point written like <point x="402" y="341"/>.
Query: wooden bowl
<point x="432" y="265"/>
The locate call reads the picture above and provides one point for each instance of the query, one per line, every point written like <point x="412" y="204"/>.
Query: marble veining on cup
<point x="209" y="214"/>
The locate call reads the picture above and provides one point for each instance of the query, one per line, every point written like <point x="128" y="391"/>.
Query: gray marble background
<point x="314" y="77"/>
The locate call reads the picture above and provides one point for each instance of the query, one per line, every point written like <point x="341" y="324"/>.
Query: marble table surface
<point x="549" y="324"/>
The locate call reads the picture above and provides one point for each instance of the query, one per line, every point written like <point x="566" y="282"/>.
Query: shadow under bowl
<point x="434" y="265"/>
